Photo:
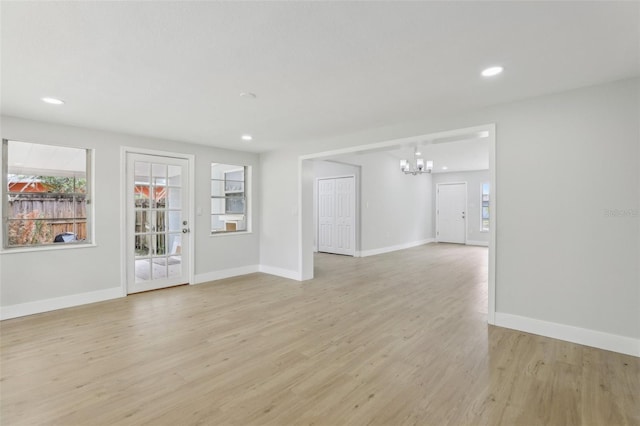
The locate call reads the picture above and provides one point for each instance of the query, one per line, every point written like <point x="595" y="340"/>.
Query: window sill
<point x="46" y="248"/>
<point x="228" y="234"/>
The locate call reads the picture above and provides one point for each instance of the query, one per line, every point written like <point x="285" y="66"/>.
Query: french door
<point x="158" y="228"/>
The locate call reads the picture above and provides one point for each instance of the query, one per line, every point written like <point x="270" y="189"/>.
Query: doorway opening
<point x="378" y="237"/>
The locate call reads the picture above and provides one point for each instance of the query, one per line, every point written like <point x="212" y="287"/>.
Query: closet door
<point x="326" y="214"/>
<point x="344" y="216"/>
<point x="336" y="215"/>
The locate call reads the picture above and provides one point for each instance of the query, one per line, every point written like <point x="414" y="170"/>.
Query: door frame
<point x="124" y="151"/>
<point x="466" y="208"/>
<point x="356" y="213"/>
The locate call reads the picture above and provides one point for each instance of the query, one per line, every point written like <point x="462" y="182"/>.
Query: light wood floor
<point x="395" y="339"/>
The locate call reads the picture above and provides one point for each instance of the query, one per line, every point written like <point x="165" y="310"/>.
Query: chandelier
<point x="418" y="167"/>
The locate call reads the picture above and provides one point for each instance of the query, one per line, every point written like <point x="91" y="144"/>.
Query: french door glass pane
<point x="159" y="174"/>
<point x="160" y="247"/>
<point x="175" y="176"/>
<point x="142" y="221"/>
<point x="175" y="243"/>
<point x="141" y="195"/>
<point x="175" y="200"/>
<point x="159" y="267"/>
<point x="174" y="220"/>
<point x="142" y="245"/>
<point x="175" y="266"/>
<point x="159" y="220"/>
<point x="143" y="270"/>
<point x="142" y="173"/>
<point x="159" y="197"/>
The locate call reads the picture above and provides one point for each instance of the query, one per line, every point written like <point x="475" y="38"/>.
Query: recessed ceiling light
<point x="247" y="137"/>
<point x="444" y="167"/>
<point x="418" y="153"/>
<point x="248" y="95"/>
<point x="491" y="71"/>
<point x="53" y="101"/>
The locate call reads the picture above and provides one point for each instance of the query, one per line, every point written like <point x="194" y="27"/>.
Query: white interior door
<point x="157" y="222"/>
<point x="336" y="215"/>
<point x="451" y="213"/>
<point x="326" y="214"/>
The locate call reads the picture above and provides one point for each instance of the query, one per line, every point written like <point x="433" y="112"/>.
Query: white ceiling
<point x="175" y="69"/>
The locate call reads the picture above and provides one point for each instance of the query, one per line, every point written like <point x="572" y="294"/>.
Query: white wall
<point x="474" y="182"/>
<point x="279" y="186"/>
<point x="563" y="160"/>
<point x="396" y="208"/>
<point x="35" y="276"/>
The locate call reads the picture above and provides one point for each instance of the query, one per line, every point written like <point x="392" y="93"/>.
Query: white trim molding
<point x="280" y="272"/>
<point x="581" y="336"/>
<point x="244" y="270"/>
<point x="389" y="249"/>
<point x="226" y="273"/>
<point x="46" y="305"/>
<point x="477" y="243"/>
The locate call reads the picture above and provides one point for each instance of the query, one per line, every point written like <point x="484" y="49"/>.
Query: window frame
<point x="246" y="197"/>
<point x="89" y="204"/>
<point x="482" y="206"/>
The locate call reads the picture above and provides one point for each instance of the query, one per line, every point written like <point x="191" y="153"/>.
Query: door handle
<point x="185" y="230"/>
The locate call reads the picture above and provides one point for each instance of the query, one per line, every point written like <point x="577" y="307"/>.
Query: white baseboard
<point x="226" y="273"/>
<point x="244" y="270"/>
<point x="373" y="252"/>
<point x="582" y="336"/>
<point x="46" y="305"/>
<point x="284" y="273"/>
<point x="478" y="243"/>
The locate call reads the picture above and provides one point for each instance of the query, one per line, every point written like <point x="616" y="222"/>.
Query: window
<point x="46" y="195"/>
<point x="229" y="212"/>
<point x="484" y="227"/>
